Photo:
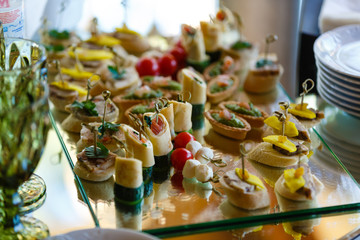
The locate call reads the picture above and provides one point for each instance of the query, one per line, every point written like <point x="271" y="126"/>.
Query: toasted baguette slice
<point x="95" y="171"/>
<point x="242" y="194"/>
<point x="265" y="154"/>
<point x="283" y="190"/>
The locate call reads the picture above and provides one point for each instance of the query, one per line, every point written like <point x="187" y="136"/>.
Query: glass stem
<point x="10" y="202"/>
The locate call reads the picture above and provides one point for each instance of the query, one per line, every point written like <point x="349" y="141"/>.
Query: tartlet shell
<point x="255" y="122"/>
<point x="228" y="131"/>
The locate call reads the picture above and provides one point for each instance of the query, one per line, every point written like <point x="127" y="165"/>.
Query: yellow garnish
<point x="289" y="230"/>
<point x="310" y="154"/>
<point x="293" y="179"/>
<point x="299" y="172"/>
<point x="250" y="179"/>
<point x="290" y="128"/>
<point x="69" y="86"/>
<point x="124" y="29"/>
<point x="274" y="139"/>
<point x="303" y="112"/>
<point x="282" y="139"/>
<point x="76" y="74"/>
<point x="91" y="54"/>
<point x="103" y="40"/>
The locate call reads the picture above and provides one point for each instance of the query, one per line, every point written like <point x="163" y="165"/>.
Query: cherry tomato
<point x="176" y="181"/>
<point x="147" y="67"/>
<point x="182" y="139"/>
<point x="167" y="64"/>
<point x="179" y="157"/>
<point x="179" y="54"/>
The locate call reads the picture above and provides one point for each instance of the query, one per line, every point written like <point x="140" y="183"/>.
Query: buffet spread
<point x="195" y="136"/>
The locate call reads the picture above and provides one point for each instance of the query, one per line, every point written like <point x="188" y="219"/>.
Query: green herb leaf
<point x="115" y="72"/>
<point x="101" y="151"/>
<point x="107" y="126"/>
<point x="241" y="45"/>
<point x="148" y="78"/>
<point x="59" y="35"/>
<point x="262" y="62"/>
<point x="88" y="106"/>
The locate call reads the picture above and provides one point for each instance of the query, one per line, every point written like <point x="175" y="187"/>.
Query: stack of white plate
<point x="337" y="55"/>
<point x="342" y="133"/>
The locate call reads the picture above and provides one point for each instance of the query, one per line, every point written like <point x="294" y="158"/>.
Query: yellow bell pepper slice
<point x="250" y="179"/>
<point x="279" y="141"/>
<point x="103" y="40"/>
<point x="301" y="111"/>
<point x="293" y="179"/>
<point x="77" y="74"/>
<point x="290" y="128"/>
<point x="91" y="54"/>
<point x="126" y="30"/>
<point x="69" y="86"/>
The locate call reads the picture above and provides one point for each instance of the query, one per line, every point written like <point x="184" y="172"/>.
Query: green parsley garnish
<point x="55" y="48"/>
<point x="262" y="62"/>
<point x="88" y="106"/>
<point x="101" y="151"/>
<point x="108" y="126"/>
<point x="116" y="74"/>
<point x="59" y="35"/>
<point x="241" y="45"/>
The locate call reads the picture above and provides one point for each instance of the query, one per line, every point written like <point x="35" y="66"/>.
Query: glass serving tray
<point x="181" y="207"/>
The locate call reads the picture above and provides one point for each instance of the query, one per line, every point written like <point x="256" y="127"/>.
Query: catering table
<point x="66" y="210"/>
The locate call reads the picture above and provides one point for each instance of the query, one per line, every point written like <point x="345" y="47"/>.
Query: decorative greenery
<point x="241" y="45"/>
<point x="59" y="35"/>
<point x="148" y="120"/>
<point x="101" y="151"/>
<point x="262" y="62"/>
<point x="88" y="106"/>
<point x="151" y="94"/>
<point x="107" y="126"/>
<point x="252" y="111"/>
<point x="55" y="48"/>
<point x="116" y="74"/>
<point x="233" y="122"/>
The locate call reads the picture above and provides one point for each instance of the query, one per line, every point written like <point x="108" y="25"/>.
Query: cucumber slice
<point x="128" y="195"/>
<point x="161" y="170"/>
<point x="197" y="117"/>
<point x="147" y="173"/>
<point x="148" y="188"/>
<point x="198" y="66"/>
<point x="162" y="161"/>
<point x="160" y="175"/>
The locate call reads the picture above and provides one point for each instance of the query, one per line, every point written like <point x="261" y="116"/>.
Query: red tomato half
<point x="179" y="157"/>
<point x="167" y="64"/>
<point x="182" y="139"/>
<point x="179" y="54"/>
<point x="147" y="67"/>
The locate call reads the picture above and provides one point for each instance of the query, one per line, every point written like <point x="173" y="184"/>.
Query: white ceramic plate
<point x="104" y="234"/>
<point x="355" y="82"/>
<point x="343" y="100"/>
<point x="339" y="84"/>
<point x="335" y="102"/>
<point x="351" y="98"/>
<point x="339" y="49"/>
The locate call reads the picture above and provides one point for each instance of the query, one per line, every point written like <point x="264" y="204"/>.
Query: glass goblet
<point x="24" y="124"/>
<point x="20" y="66"/>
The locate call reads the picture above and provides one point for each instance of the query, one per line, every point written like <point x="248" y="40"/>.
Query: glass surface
<point x="177" y="207"/>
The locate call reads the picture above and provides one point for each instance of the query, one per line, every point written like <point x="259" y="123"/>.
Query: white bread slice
<point x="265" y="154"/>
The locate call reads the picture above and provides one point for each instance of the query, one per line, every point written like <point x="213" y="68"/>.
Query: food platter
<point x="181" y="207"/>
<point x="173" y="204"/>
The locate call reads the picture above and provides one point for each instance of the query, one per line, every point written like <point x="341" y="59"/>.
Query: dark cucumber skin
<point x="161" y="169"/>
<point x="197" y="117"/>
